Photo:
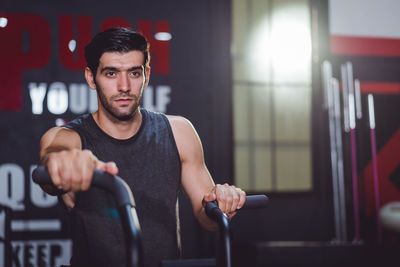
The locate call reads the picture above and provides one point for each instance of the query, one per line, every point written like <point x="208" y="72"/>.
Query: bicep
<point x="196" y="179"/>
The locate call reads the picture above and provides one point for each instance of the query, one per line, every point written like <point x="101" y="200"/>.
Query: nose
<point x="123" y="83"/>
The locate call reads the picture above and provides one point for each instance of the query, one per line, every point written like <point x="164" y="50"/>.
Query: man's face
<point x="119" y="82"/>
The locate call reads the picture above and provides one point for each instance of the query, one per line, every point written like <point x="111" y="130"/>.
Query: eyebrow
<point x="111" y="68"/>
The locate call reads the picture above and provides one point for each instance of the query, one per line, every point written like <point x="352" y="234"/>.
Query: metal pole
<point x="353" y="147"/>
<point x="335" y="184"/>
<point x="339" y="151"/>
<point x="357" y="92"/>
<point x="345" y="93"/>
<point x="326" y="81"/>
<point x="327" y="71"/>
<point x="375" y="166"/>
<point x="356" y="208"/>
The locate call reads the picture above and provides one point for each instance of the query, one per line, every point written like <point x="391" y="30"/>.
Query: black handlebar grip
<point x="252" y="202"/>
<point x="255" y="202"/>
<point x="113" y="184"/>
<point x="41" y="176"/>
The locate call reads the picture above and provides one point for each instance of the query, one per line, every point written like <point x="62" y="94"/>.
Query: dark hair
<point x="115" y="40"/>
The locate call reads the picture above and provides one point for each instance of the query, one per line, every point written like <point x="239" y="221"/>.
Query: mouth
<point x="123" y="100"/>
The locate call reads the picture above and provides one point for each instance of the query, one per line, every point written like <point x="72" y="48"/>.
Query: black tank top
<point x="149" y="162"/>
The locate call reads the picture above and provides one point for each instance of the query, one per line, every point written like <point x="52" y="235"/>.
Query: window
<point x="272" y="95"/>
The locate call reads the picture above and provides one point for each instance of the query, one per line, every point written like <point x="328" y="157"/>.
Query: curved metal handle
<point x="252" y="202"/>
<point x="212" y="210"/>
<point x="126" y="208"/>
<point x="110" y="183"/>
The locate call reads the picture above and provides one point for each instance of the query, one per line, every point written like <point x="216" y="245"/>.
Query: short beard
<point x="112" y="112"/>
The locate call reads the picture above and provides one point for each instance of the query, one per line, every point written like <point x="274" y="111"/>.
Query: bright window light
<point x="291" y="44"/>
<point x="280" y="46"/>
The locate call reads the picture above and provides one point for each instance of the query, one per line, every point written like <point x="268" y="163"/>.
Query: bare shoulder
<point x="179" y="122"/>
<point x="58" y="138"/>
<point x="181" y="127"/>
<point x="186" y="137"/>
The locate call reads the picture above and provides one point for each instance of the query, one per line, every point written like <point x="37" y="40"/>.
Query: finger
<point x="100" y="165"/>
<point x="226" y="198"/>
<point x="111" y="168"/>
<point x="88" y="163"/>
<point x="52" y="168"/>
<point x="75" y="180"/>
<point x="87" y="174"/>
<point x="235" y="198"/>
<point x="65" y="172"/>
<point x="94" y="162"/>
<point x="231" y="214"/>
<point x="76" y="170"/>
<point x="208" y="197"/>
<point x="220" y="194"/>
<point x="230" y="194"/>
<point x="242" y="200"/>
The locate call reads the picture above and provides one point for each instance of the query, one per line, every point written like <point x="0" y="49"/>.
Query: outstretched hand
<point x="72" y="170"/>
<point x="229" y="198"/>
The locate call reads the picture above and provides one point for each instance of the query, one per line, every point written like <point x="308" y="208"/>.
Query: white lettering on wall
<point x="93" y="105"/>
<point x="2" y="225"/>
<point x="148" y="98"/>
<point x="78" y="98"/>
<point x="12" y="188"/>
<point x="37" y="94"/>
<point x="57" y="98"/>
<point x="41" y="253"/>
<point x="161" y="100"/>
<point x="38" y="197"/>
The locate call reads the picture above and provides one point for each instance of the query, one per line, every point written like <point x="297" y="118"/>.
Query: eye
<point x="136" y="74"/>
<point x="110" y="73"/>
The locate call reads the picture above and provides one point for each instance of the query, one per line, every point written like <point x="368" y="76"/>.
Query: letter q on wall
<point x="12" y="186"/>
<point x="12" y="189"/>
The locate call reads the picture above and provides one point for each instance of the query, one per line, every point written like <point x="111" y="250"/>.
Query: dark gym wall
<point x="190" y="76"/>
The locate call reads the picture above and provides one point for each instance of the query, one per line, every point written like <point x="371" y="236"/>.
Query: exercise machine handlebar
<point x="212" y="210"/>
<point x="126" y="208"/>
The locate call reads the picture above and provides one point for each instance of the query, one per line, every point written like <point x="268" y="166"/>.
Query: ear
<point x="90" y="78"/>
<point x="146" y="82"/>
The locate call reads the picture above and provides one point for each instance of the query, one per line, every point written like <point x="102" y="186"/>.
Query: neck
<point x="116" y="128"/>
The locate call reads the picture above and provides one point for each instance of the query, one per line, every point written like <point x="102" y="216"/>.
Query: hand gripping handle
<point x="252" y="202"/>
<point x="111" y="183"/>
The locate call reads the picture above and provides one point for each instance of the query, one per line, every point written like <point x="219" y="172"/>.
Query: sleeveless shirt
<point x="149" y="162"/>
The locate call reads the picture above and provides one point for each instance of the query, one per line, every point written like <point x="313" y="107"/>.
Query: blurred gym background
<point x="297" y="99"/>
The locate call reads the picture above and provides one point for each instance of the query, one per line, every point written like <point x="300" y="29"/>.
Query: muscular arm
<point x="196" y="179"/>
<point x="70" y="167"/>
<point x="56" y="139"/>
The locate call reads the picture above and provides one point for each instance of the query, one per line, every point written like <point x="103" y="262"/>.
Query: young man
<point x="156" y="154"/>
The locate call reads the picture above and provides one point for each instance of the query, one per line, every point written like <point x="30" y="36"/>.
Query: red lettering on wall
<point x="159" y="50"/>
<point x="18" y="53"/>
<point x="14" y="60"/>
<point x="114" y="22"/>
<point x="74" y="60"/>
